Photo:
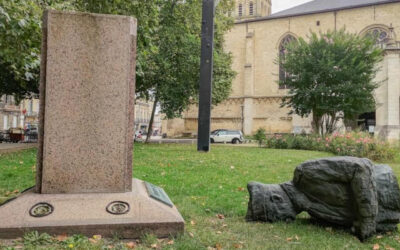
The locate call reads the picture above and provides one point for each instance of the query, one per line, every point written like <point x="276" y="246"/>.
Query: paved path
<point x="14" y="147"/>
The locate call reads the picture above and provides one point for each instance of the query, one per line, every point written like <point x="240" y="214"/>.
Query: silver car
<point x="227" y="136"/>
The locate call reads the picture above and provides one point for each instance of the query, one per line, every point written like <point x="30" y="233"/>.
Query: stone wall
<point x="255" y="47"/>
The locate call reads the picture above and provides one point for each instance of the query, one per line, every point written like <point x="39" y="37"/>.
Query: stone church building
<point x="258" y="37"/>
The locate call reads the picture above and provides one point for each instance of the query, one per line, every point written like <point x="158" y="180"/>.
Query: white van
<point x="227" y="136"/>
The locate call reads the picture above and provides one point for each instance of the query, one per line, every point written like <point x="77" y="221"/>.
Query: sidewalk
<point x="14" y="147"/>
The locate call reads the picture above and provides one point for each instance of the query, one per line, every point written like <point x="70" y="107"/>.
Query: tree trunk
<point x="150" y="129"/>
<point x="316" y="124"/>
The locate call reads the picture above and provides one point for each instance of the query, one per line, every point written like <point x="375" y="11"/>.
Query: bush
<point x="349" y="144"/>
<point x="260" y="136"/>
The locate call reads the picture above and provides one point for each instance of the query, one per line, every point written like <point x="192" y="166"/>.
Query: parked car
<point x="227" y="136"/>
<point x="140" y="136"/>
<point x="217" y="130"/>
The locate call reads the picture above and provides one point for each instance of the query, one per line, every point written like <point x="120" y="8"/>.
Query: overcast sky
<point x="278" y="5"/>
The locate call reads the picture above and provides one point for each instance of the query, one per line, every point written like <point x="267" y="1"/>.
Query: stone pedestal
<point x="84" y="164"/>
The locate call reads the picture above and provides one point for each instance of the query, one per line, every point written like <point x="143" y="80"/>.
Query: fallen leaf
<point x="218" y="246"/>
<point x="375" y="247"/>
<point x="93" y="241"/>
<point x="389" y="248"/>
<point x="131" y="244"/>
<point x="289" y="239"/>
<point x="232" y="167"/>
<point x="329" y="229"/>
<point x="220" y="216"/>
<point x="236" y="245"/>
<point x="240" y="188"/>
<point x="171" y="242"/>
<point x="16" y="191"/>
<point x="110" y="247"/>
<point x="97" y="237"/>
<point x="379" y="236"/>
<point x="61" y="237"/>
<point x="224" y="225"/>
<point x="192" y="222"/>
<point x="191" y="234"/>
<point x="297" y="237"/>
<point x="153" y="245"/>
<point x="219" y="232"/>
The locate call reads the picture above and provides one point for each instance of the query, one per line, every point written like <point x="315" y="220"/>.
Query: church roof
<point x="320" y="6"/>
<point x="327" y="5"/>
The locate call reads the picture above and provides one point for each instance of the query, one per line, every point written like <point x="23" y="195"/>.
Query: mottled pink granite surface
<point x="86" y="214"/>
<point x="87" y="101"/>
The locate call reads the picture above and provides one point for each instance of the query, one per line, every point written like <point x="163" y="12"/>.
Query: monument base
<point x="146" y="209"/>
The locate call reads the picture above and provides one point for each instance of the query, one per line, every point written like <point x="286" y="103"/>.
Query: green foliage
<point x="36" y="239"/>
<point x="260" y="136"/>
<point x="19" y="47"/>
<point x="169" y="41"/>
<point x="350" y="144"/>
<point x="330" y="74"/>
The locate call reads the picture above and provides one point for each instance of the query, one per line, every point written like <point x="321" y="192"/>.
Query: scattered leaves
<point x="97" y="237"/>
<point x="61" y="237"/>
<point x="220" y="216"/>
<point x="237" y="246"/>
<point x="131" y="245"/>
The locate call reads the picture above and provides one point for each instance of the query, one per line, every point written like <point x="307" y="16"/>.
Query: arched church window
<point x="251" y="8"/>
<point x="240" y="9"/>
<point x="282" y="53"/>
<point x="380" y="35"/>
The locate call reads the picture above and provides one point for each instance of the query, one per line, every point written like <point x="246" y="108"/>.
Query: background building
<point x="10" y="114"/>
<point x="23" y="115"/>
<point x="256" y="40"/>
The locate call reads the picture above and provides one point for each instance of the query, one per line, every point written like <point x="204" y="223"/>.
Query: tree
<point x="331" y="77"/>
<point x="178" y="58"/>
<point x="169" y="39"/>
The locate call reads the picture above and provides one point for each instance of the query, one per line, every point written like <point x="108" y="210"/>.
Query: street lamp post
<point x="206" y="75"/>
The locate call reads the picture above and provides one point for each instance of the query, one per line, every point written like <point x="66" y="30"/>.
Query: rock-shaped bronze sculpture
<point x="345" y="191"/>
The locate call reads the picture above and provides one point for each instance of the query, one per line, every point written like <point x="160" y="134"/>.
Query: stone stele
<point x="84" y="165"/>
<point x="346" y="191"/>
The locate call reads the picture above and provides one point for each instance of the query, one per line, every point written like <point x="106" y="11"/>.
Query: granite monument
<point x="84" y="165"/>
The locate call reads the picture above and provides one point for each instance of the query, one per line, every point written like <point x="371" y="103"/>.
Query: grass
<point x="210" y="192"/>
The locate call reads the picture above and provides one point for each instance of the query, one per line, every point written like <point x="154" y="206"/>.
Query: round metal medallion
<point x="118" y="207"/>
<point x="41" y="209"/>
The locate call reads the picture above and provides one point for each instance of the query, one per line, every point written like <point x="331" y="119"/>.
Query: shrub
<point x="260" y="136"/>
<point x="356" y="144"/>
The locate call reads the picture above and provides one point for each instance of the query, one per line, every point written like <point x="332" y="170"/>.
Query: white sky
<point x="278" y="5"/>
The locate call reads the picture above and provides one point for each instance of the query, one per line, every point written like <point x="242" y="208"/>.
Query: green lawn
<point x="203" y="186"/>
